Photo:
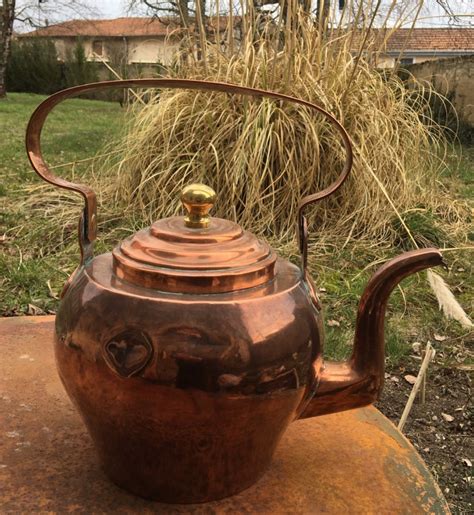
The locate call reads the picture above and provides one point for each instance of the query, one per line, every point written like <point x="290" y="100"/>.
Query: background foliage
<point x="34" y="67"/>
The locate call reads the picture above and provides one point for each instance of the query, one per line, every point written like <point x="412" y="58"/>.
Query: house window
<point x="405" y="61"/>
<point x="98" y="47"/>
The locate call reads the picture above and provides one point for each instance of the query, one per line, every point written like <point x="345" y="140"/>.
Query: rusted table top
<point x="352" y="462"/>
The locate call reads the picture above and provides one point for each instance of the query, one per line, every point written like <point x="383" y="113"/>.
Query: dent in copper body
<point x="189" y="349"/>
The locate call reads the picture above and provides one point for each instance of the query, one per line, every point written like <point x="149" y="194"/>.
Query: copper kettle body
<point x="191" y="347"/>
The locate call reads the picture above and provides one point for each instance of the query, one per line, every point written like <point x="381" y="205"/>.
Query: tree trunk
<point x="7" y="15"/>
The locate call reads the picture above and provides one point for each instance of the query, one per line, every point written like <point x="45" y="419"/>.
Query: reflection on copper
<point x="191" y="347"/>
<point x="172" y="257"/>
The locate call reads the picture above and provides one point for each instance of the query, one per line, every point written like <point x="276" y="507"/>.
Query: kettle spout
<point x="359" y="381"/>
<point x="368" y="357"/>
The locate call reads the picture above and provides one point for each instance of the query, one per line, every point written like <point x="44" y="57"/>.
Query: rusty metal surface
<point x="351" y="462"/>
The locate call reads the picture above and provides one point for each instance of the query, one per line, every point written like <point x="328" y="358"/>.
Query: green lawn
<point x="75" y="131"/>
<point x="31" y="277"/>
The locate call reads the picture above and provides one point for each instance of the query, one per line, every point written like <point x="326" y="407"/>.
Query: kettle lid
<point x="195" y="253"/>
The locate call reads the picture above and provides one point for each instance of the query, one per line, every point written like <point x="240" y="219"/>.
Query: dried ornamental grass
<point x="446" y="300"/>
<point x="262" y="156"/>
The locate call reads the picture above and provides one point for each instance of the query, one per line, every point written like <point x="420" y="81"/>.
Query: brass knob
<point x="198" y="200"/>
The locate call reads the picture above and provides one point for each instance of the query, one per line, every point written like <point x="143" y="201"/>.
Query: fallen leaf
<point x="333" y="323"/>
<point x="395" y="379"/>
<point x="468" y="367"/>
<point x="322" y="289"/>
<point x="34" y="310"/>
<point x="439" y="338"/>
<point x="467" y="461"/>
<point x="448" y="418"/>
<point x="416" y="346"/>
<point x="410" y="379"/>
<point x="50" y="291"/>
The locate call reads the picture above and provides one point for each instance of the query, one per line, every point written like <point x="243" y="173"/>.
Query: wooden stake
<point x="429" y="355"/>
<point x="423" y="384"/>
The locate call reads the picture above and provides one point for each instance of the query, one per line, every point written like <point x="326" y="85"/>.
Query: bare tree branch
<point x="34" y="14"/>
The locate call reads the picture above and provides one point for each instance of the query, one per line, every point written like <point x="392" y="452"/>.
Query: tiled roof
<point x="432" y="39"/>
<point x="118" y="27"/>
<point x="427" y="39"/>
<point x="423" y="40"/>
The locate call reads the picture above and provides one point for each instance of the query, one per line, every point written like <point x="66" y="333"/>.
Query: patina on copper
<point x="191" y="347"/>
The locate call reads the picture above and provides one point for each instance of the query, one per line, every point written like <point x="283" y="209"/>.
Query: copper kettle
<point x="190" y="348"/>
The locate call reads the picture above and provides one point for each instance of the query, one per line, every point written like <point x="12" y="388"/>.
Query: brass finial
<point x="198" y="200"/>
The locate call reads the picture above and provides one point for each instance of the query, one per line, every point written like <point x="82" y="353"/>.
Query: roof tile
<point x="428" y="39"/>
<point x="118" y="27"/>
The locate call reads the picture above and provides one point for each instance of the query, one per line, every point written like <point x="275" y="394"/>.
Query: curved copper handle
<point x="88" y="222"/>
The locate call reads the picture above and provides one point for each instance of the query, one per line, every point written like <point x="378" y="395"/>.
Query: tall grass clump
<point x="262" y="156"/>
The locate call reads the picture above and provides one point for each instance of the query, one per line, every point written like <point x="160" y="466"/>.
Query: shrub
<point x="34" y="67"/>
<point x="78" y="70"/>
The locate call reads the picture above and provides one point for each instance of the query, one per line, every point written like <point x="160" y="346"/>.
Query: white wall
<point x="150" y="50"/>
<point x="385" y="61"/>
<point x="140" y="49"/>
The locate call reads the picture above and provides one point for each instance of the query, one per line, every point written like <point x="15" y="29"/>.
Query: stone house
<point x="151" y="41"/>
<point x="132" y="40"/>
